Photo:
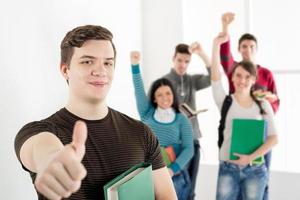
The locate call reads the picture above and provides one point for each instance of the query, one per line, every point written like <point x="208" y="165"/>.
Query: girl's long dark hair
<point x="250" y="67"/>
<point x="163" y="82"/>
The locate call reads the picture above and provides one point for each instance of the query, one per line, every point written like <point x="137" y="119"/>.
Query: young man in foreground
<point x="78" y="149"/>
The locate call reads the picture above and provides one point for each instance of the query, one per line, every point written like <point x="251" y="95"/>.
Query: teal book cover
<point x="134" y="184"/>
<point x="247" y="136"/>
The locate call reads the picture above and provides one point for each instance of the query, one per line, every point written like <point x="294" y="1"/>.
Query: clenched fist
<point x="135" y="57"/>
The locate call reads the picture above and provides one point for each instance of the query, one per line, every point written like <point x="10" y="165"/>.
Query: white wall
<point x="31" y="85"/>
<point x="162" y="29"/>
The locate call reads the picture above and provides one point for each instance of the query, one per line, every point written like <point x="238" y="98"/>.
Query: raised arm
<point x="215" y="63"/>
<point x="201" y="81"/>
<point x="58" y="167"/>
<point x="227" y="18"/>
<point x="227" y="59"/>
<point x="196" y="48"/>
<point x="142" y="101"/>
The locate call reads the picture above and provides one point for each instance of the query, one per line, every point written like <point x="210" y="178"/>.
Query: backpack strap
<point x="224" y="110"/>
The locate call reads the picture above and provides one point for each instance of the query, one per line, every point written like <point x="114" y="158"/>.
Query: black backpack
<point x="224" y="110"/>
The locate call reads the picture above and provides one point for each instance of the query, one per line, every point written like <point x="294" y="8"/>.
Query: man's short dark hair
<point x="182" y="48"/>
<point x="78" y="36"/>
<point x="247" y="36"/>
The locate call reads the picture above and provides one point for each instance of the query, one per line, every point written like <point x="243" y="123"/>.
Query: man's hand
<point x="135" y="57"/>
<point x="227" y="18"/>
<point x="171" y="172"/>
<point x="61" y="174"/>
<point x="195" y="48"/>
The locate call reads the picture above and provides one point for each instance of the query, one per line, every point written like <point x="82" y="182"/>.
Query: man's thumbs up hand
<point x="61" y="173"/>
<point x="79" y="138"/>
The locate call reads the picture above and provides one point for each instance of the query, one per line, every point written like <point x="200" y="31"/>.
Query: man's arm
<point x="59" y="168"/>
<point x="196" y="48"/>
<point x="270" y="93"/>
<point x="227" y="18"/>
<point x="227" y="59"/>
<point x="163" y="185"/>
<point x="273" y="96"/>
<point x="201" y="81"/>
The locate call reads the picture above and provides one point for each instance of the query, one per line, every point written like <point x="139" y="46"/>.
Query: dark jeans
<point x="193" y="168"/>
<point x="267" y="163"/>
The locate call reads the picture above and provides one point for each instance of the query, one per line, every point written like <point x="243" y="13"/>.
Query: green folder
<point x="247" y="136"/>
<point x="134" y="184"/>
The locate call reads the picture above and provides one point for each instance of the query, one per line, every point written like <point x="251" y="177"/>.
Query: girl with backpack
<point x="241" y="175"/>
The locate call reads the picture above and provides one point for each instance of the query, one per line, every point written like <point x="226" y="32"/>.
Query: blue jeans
<point x="182" y="184"/>
<point x="249" y="180"/>
<point x="268" y="163"/>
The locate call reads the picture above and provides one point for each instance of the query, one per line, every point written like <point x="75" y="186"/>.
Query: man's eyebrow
<point x="93" y="57"/>
<point x="87" y="56"/>
<point x="111" y="58"/>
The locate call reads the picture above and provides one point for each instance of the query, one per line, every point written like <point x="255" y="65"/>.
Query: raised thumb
<point x="79" y="138"/>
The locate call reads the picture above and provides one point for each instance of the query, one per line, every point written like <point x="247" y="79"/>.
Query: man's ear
<point x="64" y="70"/>
<point x="173" y="58"/>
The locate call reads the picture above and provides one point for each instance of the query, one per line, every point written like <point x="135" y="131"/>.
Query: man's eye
<point x="86" y="62"/>
<point x="109" y="64"/>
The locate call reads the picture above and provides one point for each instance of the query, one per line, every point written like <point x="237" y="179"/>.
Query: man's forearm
<point x="38" y="149"/>
<point x="205" y="59"/>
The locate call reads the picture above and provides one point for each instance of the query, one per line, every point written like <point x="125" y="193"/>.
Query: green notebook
<point x="247" y="136"/>
<point x="134" y="184"/>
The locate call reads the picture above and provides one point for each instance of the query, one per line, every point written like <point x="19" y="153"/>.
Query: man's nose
<point x="99" y="70"/>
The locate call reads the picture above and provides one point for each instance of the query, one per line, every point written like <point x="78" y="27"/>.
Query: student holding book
<point x="160" y="112"/>
<point x="186" y="85"/>
<point x="73" y="153"/>
<point x="241" y="175"/>
<point x="265" y="85"/>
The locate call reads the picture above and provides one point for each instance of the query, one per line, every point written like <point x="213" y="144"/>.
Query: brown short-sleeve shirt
<point x="114" y="144"/>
